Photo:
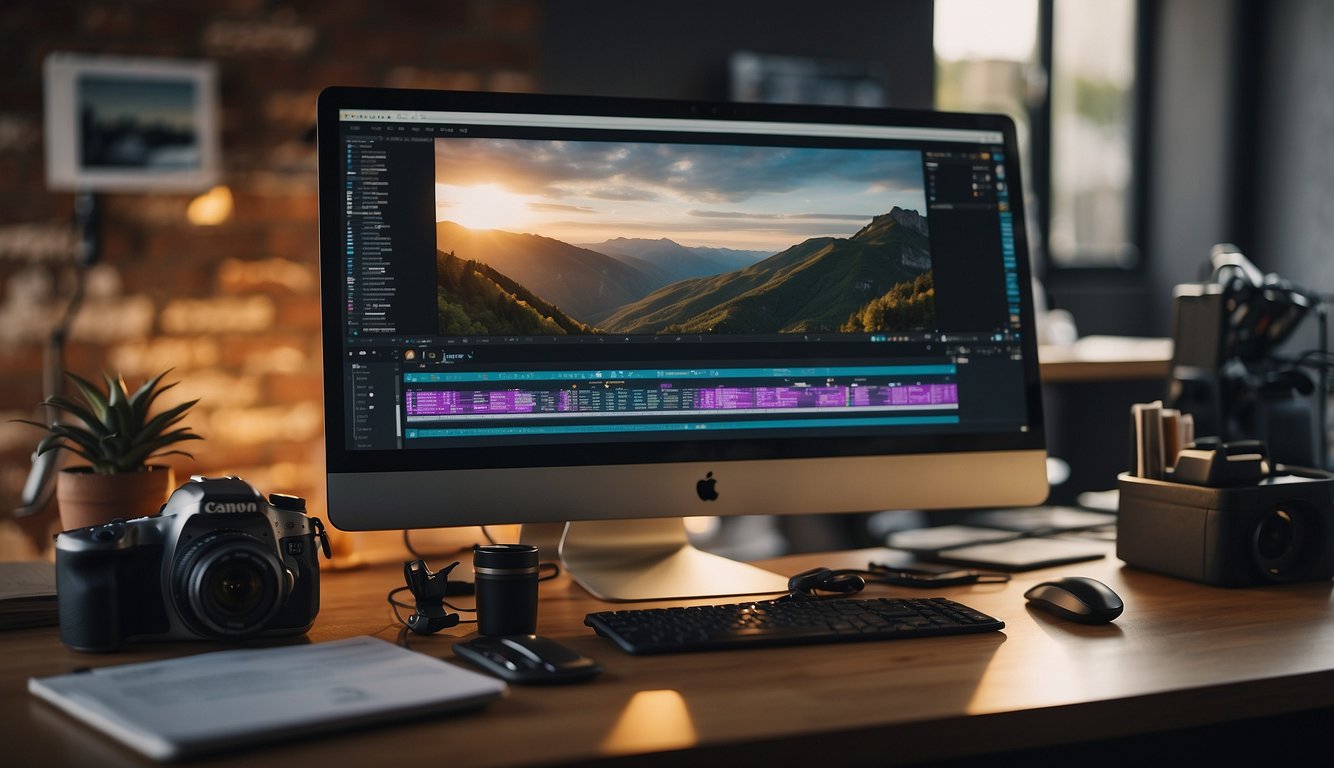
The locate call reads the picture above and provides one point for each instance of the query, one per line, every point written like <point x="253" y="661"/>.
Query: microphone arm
<point x="40" y="485"/>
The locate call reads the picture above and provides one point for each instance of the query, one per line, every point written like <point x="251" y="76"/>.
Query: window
<point x="1066" y="72"/>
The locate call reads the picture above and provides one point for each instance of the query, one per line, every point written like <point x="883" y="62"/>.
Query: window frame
<point x="1040" y="120"/>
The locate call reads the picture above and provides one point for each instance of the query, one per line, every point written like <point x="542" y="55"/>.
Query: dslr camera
<point x="220" y="561"/>
<point x="1227" y="517"/>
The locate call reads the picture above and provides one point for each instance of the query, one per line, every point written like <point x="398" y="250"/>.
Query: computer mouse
<point x="527" y="659"/>
<point x="1077" y="598"/>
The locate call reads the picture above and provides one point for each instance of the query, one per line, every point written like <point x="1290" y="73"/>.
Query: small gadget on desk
<point x="506" y="576"/>
<point x="528" y="659"/>
<point x="1077" y="598"/>
<point x="429" y="590"/>
<point x="1226" y="515"/>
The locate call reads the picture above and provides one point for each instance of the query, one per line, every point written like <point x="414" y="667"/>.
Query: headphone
<point x="844" y="581"/>
<point x="429" y="589"/>
<point x="847" y="581"/>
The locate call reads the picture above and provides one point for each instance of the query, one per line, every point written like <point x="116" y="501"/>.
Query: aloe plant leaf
<point x="90" y="393"/>
<point x="143" y="397"/>
<point x="142" y="453"/>
<point x="77" y="433"/>
<point x="115" y="390"/>
<point x="174" y="436"/>
<point x="57" y="442"/>
<point x="92" y="423"/>
<point x="172" y="452"/>
<point x="116" y="433"/>
<point x="160" y="423"/>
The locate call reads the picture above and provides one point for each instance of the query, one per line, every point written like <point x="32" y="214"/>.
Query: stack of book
<point x="27" y="595"/>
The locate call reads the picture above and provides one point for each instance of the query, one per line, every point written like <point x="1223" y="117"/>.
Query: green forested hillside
<point x="814" y="286"/>
<point x="906" y="306"/>
<point x="474" y="299"/>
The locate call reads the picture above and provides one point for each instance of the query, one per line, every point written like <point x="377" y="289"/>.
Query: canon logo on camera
<point x="231" y="506"/>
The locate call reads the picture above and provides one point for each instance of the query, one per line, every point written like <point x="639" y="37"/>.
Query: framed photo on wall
<point x="130" y="124"/>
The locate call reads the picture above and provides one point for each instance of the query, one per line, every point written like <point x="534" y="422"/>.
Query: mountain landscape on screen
<point x="503" y="283"/>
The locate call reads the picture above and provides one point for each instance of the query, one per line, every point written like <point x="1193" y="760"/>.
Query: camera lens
<point x="227" y="583"/>
<point x="1274" y="536"/>
<point x="1277" y="541"/>
<point x="237" y="589"/>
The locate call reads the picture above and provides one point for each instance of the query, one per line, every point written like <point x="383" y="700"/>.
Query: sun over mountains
<point x="504" y="283"/>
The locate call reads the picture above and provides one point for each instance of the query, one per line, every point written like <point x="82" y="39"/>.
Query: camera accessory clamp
<point x="429" y="589"/>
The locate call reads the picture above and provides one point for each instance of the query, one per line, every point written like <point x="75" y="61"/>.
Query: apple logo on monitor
<point x="706" y="488"/>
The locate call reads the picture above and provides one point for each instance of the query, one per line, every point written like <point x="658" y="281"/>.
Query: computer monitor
<point x="609" y="314"/>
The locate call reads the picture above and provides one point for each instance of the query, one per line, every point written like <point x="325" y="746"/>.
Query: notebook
<point x="224" y="700"/>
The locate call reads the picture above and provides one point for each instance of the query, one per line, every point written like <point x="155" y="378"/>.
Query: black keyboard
<point x="786" y="622"/>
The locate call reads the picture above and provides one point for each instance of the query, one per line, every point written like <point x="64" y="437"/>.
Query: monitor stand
<point x="649" y="559"/>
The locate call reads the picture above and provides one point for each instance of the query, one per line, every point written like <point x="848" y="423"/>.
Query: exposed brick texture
<point x="234" y="308"/>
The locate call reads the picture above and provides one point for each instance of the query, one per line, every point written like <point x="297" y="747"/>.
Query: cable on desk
<point x="551" y="566"/>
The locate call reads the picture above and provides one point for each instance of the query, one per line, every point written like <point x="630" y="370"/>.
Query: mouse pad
<point x="1020" y="554"/>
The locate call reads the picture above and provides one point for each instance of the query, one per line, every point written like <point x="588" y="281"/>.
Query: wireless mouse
<point x="1077" y="598"/>
<point x="527" y="659"/>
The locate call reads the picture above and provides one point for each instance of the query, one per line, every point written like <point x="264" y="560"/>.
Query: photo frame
<point x="130" y="124"/>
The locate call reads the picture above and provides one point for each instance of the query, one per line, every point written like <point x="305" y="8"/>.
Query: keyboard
<point x="786" y="622"/>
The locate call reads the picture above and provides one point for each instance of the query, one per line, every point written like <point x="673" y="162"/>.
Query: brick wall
<point x="233" y="308"/>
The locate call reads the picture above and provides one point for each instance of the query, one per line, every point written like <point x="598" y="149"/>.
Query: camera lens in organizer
<point x="1279" y="539"/>
<point x="506" y="583"/>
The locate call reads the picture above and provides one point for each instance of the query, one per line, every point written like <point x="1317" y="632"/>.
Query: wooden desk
<point x="1106" y="358"/>
<point x="1181" y="655"/>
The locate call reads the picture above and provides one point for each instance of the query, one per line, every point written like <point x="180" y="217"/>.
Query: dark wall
<point x="680" y="49"/>
<point x="1293" y="197"/>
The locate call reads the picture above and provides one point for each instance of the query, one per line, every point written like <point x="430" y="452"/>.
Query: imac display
<point x="607" y="314"/>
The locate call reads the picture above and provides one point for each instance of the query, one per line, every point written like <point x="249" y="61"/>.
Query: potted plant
<point x="115" y="433"/>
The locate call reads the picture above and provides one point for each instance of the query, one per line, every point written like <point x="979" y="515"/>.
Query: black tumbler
<point x="506" y="578"/>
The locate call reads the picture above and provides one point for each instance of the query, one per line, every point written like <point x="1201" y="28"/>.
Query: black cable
<point x="552" y="565"/>
<point x="407" y="544"/>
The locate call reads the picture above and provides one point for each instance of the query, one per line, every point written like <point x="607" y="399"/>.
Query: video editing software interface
<point x="557" y="280"/>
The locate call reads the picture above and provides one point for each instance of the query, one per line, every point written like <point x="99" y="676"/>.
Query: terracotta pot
<point x="86" y="498"/>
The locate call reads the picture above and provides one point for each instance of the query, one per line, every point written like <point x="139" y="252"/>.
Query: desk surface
<point x="1181" y="655"/>
<point x="1106" y="358"/>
